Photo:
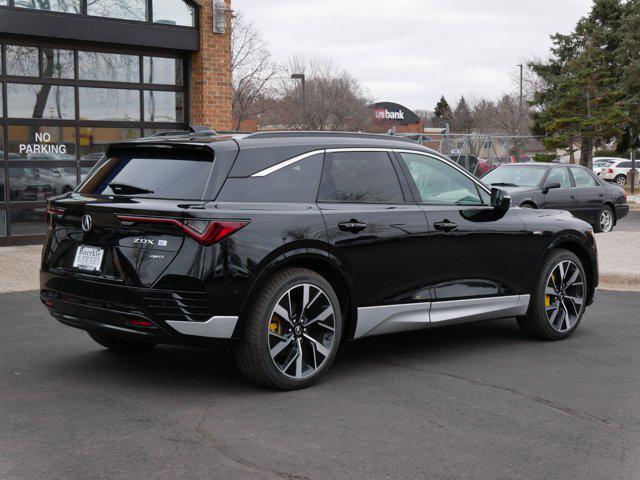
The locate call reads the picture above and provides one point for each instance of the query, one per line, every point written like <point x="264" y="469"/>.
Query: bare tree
<point x="513" y="121"/>
<point x="253" y="72"/>
<point x="329" y="99"/>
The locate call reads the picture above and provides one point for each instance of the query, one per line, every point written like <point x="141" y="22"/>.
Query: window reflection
<point x="125" y="9"/>
<point x="173" y="12"/>
<point x="3" y="220"/>
<point x="22" y="61"/>
<point x="40" y="183"/>
<point x="40" y="101"/>
<point x="95" y="141"/>
<point x="109" y="67"/>
<point x="2" y="199"/>
<point x="42" y="143"/>
<point x="57" y="63"/>
<point x="163" y="106"/>
<point x="64" y="6"/>
<point x="109" y="104"/>
<point x="159" y="70"/>
<point x="28" y="221"/>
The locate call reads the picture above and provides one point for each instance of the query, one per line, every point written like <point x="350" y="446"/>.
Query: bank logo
<point x="87" y="222"/>
<point x="384" y="114"/>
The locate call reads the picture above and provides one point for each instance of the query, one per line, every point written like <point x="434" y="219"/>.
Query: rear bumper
<point x="622" y="211"/>
<point x="176" y="318"/>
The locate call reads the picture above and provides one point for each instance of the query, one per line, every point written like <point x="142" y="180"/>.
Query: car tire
<point x="120" y="345"/>
<point x="606" y="220"/>
<point x="284" y="345"/>
<point x="559" y="299"/>
<point x="620" y="180"/>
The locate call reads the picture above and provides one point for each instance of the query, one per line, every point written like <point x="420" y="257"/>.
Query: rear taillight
<point x="53" y="212"/>
<point x="609" y="170"/>
<point x="205" y="232"/>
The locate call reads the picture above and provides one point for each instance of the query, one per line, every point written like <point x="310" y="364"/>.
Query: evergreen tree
<point x="581" y="101"/>
<point x="442" y="113"/>
<point x="462" y="117"/>
<point x="629" y="59"/>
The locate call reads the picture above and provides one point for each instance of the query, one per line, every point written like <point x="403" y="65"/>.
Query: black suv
<point x="282" y="246"/>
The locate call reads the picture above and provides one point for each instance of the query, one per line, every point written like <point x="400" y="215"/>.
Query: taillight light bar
<point x="205" y="232"/>
<point x="51" y="212"/>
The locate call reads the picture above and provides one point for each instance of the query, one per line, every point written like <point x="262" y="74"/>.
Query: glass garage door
<point x="61" y="107"/>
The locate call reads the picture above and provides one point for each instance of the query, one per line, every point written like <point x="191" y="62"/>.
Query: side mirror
<point x="551" y="186"/>
<point x="500" y="200"/>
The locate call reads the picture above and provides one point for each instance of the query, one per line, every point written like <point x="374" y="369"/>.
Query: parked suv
<point x="616" y="171"/>
<point x="283" y="246"/>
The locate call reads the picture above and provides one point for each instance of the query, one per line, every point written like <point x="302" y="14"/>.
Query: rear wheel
<point x="527" y="205"/>
<point x="606" y="220"/>
<point x="293" y="331"/>
<point x="559" y="297"/>
<point x="120" y="345"/>
<point x="621" y="180"/>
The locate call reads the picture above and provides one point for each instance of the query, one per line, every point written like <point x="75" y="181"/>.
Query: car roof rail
<point x="320" y="133"/>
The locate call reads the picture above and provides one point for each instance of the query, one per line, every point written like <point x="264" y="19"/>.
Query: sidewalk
<point x="619" y="254"/>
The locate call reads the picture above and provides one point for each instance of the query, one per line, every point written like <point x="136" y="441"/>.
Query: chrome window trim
<point x="286" y="163"/>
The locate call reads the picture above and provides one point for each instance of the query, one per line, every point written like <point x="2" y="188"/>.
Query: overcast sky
<point x="413" y="51"/>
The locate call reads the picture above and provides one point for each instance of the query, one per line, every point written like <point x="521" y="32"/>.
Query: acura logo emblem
<point x="87" y="222"/>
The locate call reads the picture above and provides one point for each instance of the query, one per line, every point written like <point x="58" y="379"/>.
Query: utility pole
<point x="521" y="86"/>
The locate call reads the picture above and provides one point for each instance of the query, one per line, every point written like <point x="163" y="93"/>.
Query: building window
<point x="123" y="9"/>
<point x="94" y="141"/>
<point x="109" y="67"/>
<point x="29" y="221"/>
<point x="163" y="71"/>
<point x="22" y="61"/>
<point x="40" y="101"/>
<point x="163" y="106"/>
<point x="42" y="143"/>
<point x="64" y="6"/>
<point x="173" y="12"/>
<point x="109" y="104"/>
<point x="58" y="63"/>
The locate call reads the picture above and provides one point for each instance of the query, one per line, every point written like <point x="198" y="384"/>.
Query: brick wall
<point x="211" y="75"/>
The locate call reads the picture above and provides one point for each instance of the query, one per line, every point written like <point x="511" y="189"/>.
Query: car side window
<point x="440" y="183"/>
<point x="295" y="183"/>
<point x="583" y="178"/>
<point x="361" y="177"/>
<point x="624" y="165"/>
<point x="560" y="175"/>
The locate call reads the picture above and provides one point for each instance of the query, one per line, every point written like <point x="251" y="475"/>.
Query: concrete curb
<point x="622" y="282"/>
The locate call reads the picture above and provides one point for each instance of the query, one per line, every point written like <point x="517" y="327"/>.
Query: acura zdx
<point x="281" y="247"/>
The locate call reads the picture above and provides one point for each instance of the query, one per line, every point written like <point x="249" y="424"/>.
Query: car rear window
<point x="175" y="177"/>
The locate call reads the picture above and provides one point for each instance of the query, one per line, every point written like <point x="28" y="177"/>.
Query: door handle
<point x="352" y="226"/>
<point x="445" y="226"/>
<point x="601" y="194"/>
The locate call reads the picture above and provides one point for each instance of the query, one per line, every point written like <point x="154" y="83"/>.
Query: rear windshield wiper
<point x="125" y="189"/>
<point x="505" y="184"/>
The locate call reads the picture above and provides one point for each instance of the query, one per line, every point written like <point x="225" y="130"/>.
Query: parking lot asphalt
<point x="478" y="401"/>
<point x="631" y="223"/>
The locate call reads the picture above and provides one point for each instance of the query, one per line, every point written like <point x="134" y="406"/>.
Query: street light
<point x="302" y="78"/>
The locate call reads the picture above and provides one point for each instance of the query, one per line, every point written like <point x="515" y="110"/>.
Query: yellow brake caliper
<point x="275" y="326"/>
<point x="547" y="297"/>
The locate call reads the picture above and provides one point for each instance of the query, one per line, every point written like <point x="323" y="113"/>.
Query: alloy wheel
<point x="621" y="181"/>
<point x="606" y="221"/>
<point x="564" y="296"/>
<point x="301" y="331"/>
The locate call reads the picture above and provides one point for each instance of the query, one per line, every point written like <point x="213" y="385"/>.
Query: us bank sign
<point x="42" y="145"/>
<point x="384" y="114"/>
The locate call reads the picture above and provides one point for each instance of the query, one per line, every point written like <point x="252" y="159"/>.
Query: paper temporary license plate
<point x="88" y="258"/>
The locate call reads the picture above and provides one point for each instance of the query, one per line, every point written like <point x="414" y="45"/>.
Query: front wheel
<point x="559" y="297"/>
<point x="606" y="220"/>
<point x="292" y="332"/>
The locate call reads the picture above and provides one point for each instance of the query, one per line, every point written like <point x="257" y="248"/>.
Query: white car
<point x="617" y="171"/>
<point x="599" y="163"/>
